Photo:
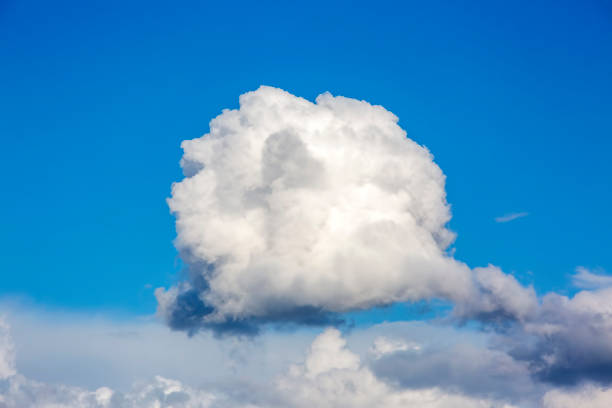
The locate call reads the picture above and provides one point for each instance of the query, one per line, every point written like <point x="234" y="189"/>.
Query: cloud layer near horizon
<point x="329" y="376"/>
<point x="395" y="371"/>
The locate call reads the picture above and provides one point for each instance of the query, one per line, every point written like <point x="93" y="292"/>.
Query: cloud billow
<point x="292" y="212"/>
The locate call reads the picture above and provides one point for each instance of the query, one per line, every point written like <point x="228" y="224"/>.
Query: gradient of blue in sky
<point x="513" y="99"/>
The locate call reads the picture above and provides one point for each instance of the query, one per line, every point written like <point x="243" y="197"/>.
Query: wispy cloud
<point x="585" y="279"/>
<point x="511" y="216"/>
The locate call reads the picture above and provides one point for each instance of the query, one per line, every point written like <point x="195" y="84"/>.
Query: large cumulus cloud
<point x="293" y="211"/>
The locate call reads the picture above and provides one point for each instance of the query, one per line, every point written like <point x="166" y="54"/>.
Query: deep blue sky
<point x="513" y="99"/>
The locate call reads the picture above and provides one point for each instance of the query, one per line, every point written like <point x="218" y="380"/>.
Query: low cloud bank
<point x="330" y="376"/>
<point x="394" y="371"/>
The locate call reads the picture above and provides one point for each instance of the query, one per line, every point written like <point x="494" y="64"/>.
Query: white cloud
<point x="511" y="217"/>
<point x="586" y="279"/>
<point x="291" y="209"/>
<point x="292" y="212"/>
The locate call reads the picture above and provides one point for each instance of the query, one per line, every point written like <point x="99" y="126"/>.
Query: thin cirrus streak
<point x="511" y="217"/>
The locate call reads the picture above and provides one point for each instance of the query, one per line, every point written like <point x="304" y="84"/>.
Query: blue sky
<point x="293" y="212"/>
<point x="512" y="99"/>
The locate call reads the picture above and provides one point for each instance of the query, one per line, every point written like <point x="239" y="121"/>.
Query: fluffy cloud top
<point x="333" y="377"/>
<point x="292" y="210"/>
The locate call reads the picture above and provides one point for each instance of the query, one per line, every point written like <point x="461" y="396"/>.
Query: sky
<point x="512" y="100"/>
